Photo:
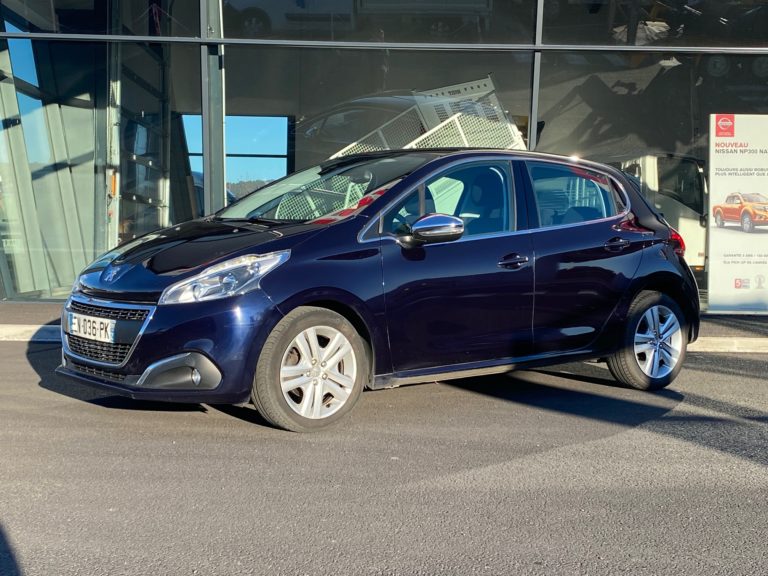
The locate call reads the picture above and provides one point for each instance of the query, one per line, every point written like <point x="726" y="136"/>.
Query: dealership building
<point x="120" y="117"/>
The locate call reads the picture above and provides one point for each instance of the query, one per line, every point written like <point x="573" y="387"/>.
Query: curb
<point x="51" y="333"/>
<point x="725" y="344"/>
<point x="30" y="333"/>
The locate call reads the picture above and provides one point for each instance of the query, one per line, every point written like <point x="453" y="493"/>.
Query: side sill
<point x="393" y="380"/>
<point x="382" y="381"/>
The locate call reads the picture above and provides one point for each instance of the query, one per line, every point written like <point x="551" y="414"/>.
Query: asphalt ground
<point x="548" y="472"/>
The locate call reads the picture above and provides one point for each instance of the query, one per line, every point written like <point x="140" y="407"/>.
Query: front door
<point x="464" y="301"/>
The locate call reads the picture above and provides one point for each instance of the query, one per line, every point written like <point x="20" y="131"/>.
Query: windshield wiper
<point x="254" y="220"/>
<point x="262" y="220"/>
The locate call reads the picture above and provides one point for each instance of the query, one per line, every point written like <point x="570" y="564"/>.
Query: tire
<point x="719" y="220"/>
<point x="746" y="223"/>
<point x="655" y="342"/>
<point x="293" y="388"/>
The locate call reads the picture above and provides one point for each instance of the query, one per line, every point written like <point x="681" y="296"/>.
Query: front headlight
<point x="230" y="278"/>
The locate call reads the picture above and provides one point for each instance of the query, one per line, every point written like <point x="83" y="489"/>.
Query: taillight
<point x="678" y="244"/>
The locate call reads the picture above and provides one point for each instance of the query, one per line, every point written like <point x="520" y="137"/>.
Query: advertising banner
<point x="738" y="220"/>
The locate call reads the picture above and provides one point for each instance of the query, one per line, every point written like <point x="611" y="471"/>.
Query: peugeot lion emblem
<point x="112" y="273"/>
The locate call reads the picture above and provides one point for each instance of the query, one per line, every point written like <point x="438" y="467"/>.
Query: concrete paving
<point x="549" y="472"/>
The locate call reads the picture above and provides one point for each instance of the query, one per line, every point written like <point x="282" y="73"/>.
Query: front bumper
<point x="201" y="353"/>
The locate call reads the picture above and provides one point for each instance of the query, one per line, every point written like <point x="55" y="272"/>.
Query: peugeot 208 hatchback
<point x="385" y="269"/>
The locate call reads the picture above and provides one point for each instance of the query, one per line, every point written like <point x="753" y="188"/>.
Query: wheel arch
<point x="670" y="284"/>
<point x="353" y="310"/>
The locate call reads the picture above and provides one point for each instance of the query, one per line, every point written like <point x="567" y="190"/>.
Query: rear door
<point x="586" y="252"/>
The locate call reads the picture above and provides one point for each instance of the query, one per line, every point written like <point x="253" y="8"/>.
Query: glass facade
<point x="417" y="21"/>
<point x="118" y="117"/>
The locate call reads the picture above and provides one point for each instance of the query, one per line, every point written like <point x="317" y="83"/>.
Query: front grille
<point x="139" y="314"/>
<point x="98" y="372"/>
<point x="100" y="351"/>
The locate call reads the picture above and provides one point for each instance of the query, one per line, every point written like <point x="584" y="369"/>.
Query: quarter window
<point x="571" y="194"/>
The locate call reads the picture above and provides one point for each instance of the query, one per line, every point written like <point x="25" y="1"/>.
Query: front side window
<point x="478" y="194"/>
<point x="571" y="194"/>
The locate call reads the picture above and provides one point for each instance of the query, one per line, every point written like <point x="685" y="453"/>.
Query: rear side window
<point x="571" y="194"/>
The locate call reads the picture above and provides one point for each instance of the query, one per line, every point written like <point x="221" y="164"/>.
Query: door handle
<point x="616" y="244"/>
<point x="513" y="261"/>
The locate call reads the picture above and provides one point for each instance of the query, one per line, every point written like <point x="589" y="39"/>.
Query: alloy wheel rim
<point x="658" y="342"/>
<point x="318" y="372"/>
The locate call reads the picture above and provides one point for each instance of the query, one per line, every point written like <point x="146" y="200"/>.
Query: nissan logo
<point x="724" y="123"/>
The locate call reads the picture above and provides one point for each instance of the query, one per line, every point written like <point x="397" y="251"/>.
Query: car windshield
<point x="334" y="188"/>
<point x="755" y="198"/>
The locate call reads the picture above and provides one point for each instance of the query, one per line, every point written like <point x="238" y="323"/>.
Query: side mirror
<point x="434" y="228"/>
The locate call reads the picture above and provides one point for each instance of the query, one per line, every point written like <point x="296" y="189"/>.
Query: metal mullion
<point x="212" y="89"/>
<point x="539" y="34"/>
<point x="411" y="46"/>
<point x="533" y="121"/>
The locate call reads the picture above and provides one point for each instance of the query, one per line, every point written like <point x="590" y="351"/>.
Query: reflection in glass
<point x="653" y="22"/>
<point x="428" y="21"/>
<point x="648" y="114"/>
<point x="244" y="175"/>
<point x="130" y="17"/>
<point x="329" y="192"/>
<point x="161" y="99"/>
<point x="432" y="99"/>
<point x="51" y="220"/>
<point x="257" y="135"/>
<point x="22" y="58"/>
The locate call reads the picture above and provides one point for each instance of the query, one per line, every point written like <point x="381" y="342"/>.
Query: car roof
<point x="468" y="153"/>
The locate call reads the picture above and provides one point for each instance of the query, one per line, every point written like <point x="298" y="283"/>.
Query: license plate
<point x="92" y="328"/>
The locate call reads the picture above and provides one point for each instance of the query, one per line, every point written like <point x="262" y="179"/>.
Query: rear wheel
<point x="655" y="343"/>
<point x="746" y="223"/>
<point x="311" y="370"/>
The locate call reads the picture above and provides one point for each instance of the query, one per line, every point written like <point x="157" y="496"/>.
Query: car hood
<point x="142" y="268"/>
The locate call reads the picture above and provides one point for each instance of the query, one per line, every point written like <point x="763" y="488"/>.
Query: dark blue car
<point x="385" y="269"/>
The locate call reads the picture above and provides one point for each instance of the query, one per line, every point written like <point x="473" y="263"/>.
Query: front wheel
<point x="746" y="223"/>
<point x="311" y="371"/>
<point x="719" y="220"/>
<point x="654" y="343"/>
